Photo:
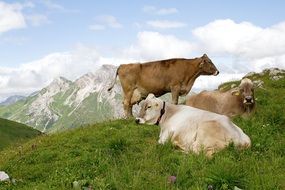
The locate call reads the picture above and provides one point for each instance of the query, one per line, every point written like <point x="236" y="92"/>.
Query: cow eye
<point x="147" y="107"/>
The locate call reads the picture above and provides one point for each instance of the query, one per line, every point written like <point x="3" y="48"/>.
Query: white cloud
<point x="38" y="19"/>
<point x="242" y="39"/>
<point x="11" y="17"/>
<point x="105" y="21"/>
<point x="251" y="47"/>
<point x="33" y="76"/>
<point x="15" y="40"/>
<point x="168" y="11"/>
<point x="235" y="49"/>
<point x="97" y="27"/>
<point x="268" y="62"/>
<point x="28" y="4"/>
<point x="153" y="45"/>
<point x="164" y="24"/>
<point x="52" y="6"/>
<point x="159" y="11"/>
<point x="212" y="82"/>
<point x="37" y="74"/>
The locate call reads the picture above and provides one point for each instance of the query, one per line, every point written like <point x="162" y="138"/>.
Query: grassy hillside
<point x="13" y="132"/>
<point x="123" y="155"/>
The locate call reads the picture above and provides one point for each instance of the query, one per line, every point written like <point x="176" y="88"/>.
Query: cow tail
<point x="114" y="82"/>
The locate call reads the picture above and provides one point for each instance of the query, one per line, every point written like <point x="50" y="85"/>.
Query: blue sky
<point x="36" y="34"/>
<point x="69" y="25"/>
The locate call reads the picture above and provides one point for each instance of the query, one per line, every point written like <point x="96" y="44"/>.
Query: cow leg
<point x="127" y="108"/>
<point x="163" y="136"/>
<point x="175" y="95"/>
<point x="127" y="104"/>
<point x="136" y="97"/>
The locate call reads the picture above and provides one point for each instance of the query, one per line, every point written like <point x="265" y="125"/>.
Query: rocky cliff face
<point x="40" y="111"/>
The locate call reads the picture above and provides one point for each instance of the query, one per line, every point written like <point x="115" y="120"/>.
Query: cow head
<point x="246" y="92"/>
<point x="207" y="67"/>
<point x="150" y="110"/>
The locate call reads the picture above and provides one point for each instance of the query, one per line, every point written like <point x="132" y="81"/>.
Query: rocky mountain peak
<point x="60" y="81"/>
<point x="85" y="80"/>
<point x="105" y="72"/>
<point x="58" y="84"/>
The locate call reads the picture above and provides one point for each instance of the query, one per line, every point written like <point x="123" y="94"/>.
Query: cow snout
<point x="139" y="120"/>
<point x="216" y="73"/>
<point x="248" y="99"/>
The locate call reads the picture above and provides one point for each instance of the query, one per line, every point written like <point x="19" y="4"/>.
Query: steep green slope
<point x="123" y="155"/>
<point x="90" y="111"/>
<point x="13" y="132"/>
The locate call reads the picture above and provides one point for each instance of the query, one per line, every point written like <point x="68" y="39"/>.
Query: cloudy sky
<point x="44" y="39"/>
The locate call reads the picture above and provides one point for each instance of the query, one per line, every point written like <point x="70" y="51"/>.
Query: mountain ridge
<point x="11" y="100"/>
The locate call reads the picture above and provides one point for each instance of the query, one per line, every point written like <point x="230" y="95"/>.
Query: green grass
<point x="12" y="132"/>
<point x="123" y="155"/>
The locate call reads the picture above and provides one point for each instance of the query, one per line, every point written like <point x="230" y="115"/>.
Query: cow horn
<point x="150" y="96"/>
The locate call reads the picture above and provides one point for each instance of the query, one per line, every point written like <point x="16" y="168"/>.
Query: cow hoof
<point x="160" y="141"/>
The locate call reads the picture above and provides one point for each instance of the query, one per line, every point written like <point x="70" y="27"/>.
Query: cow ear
<point x="205" y="55"/>
<point x="141" y="102"/>
<point x="201" y="64"/>
<point x="235" y="93"/>
<point x="150" y="96"/>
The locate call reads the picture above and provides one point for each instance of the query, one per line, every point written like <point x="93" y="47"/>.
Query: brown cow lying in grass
<point x="239" y="101"/>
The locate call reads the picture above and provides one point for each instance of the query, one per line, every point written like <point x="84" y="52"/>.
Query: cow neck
<point x="162" y="111"/>
<point x="195" y="76"/>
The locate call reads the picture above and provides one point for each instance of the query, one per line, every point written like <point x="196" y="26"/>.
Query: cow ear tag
<point x="236" y="93"/>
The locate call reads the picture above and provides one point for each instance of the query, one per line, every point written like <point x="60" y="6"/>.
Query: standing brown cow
<point x="159" y="77"/>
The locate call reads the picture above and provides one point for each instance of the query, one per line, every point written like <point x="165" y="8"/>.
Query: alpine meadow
<point x="120" y="154"/>
<point x="142" y="95"/>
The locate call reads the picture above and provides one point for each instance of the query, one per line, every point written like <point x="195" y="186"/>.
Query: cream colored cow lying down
<point x="190" y="128"/>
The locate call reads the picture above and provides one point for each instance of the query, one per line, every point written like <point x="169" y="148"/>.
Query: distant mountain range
<point x="65" y="104"/>
<point x="11" y="100"/>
